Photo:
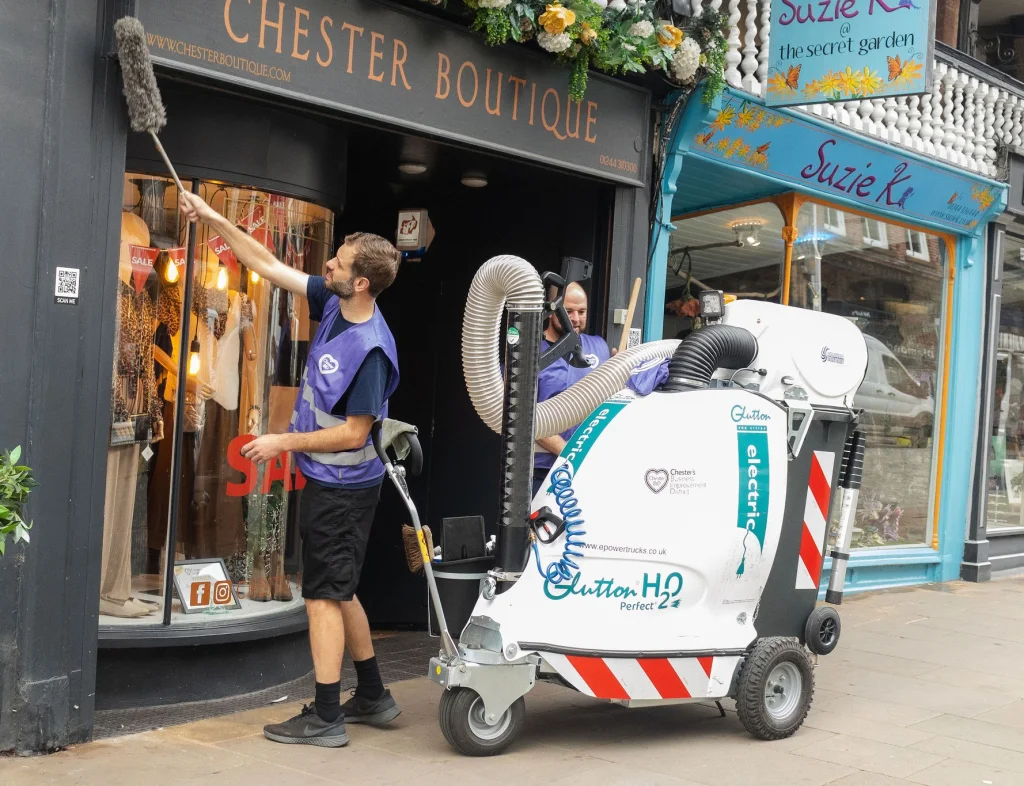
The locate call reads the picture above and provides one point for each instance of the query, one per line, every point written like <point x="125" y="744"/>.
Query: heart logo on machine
<point x="656" y="480"/>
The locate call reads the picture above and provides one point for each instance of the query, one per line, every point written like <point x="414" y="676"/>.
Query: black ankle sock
<point x="370" y="685"/>
<point x="328" y="701"/>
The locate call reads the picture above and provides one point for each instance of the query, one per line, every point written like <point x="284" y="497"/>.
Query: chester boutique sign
<point x="408" y="70"/>
<point x="842" y="50"/>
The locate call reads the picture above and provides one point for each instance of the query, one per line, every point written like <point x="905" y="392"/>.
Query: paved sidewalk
<point x="926" y="687"/>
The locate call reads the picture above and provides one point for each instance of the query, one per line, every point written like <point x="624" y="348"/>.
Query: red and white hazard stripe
<point x="646" y="678"/>
<point x="812" y="539"/>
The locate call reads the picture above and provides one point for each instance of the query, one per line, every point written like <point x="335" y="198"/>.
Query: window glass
<point x="1006" y="440"/>
<point x="739" y="251"/>
<point x="236" y="543"/>
<point x="896" y="298"/>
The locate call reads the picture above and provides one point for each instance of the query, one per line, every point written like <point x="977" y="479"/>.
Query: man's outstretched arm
<point x="250" y="252"/>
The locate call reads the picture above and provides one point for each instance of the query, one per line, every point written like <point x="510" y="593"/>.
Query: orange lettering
<point x="246" y="466"/>
<point x="487" y="95"/>
<point x="397" y="64"/>
<point x="277" y="469"/>
<point x="568" y="111"/>
<point x="590" y="121"/>
<point x="327" y="39"/>
<point x="444" y="67"/>
<point x="299" y="30"/>
<point x="279" y="25"/>
<point x="300" y="479"/>
<point x="227" y="25"/>
<point x="533" y="100"/>
<point x="374" y="55"/>
<point x="553" y="128"/>
<point x="515" y="96"/>
<point x="352" y="30"/>
<point x="476" y="84"/>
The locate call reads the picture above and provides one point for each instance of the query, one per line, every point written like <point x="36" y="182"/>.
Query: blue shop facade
<point x="777" y="205"/>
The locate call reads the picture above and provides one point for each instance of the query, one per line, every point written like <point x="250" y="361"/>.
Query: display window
<point x="1006" y="439"/>
<point x="235" y="549"/>
<point x="890" y="280"/>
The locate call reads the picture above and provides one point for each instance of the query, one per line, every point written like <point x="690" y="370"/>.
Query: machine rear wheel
<point x="776" y="686"/>
<point x="465" y="726"/>
<point x="822" y="630"/>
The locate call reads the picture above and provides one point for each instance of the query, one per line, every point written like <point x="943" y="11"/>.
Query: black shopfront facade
<point x="301" y="123"/>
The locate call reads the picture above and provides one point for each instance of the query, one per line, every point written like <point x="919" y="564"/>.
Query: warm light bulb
<point x="254" y="277"/>
<point x="171" y="273"/>
<point x="193" y="358"/>
<point x="222" y="278"/>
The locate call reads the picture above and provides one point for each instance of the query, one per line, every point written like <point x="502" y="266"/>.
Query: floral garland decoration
<point x="613" y="36"/>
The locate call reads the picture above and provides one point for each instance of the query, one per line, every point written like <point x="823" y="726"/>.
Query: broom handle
<point x="624" y="340"/>
<point x="163" y="154"/>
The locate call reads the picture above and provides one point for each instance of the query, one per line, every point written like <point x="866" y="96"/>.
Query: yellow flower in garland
<point x="870" y="82"/>
<point x="669" y="37"/>
<point x="829" y="83"/>
<point x="587" y="34"/>
<point x="556" y="18"/>
<point x="849" y="81"/>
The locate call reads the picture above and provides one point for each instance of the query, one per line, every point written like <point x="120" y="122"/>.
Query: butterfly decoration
<point x="763" y="149"/>
<point x="793" y="77"/>
<point x="787" y="82"/>
<point x="896" y="68"/>
<point x="952" y="199"/>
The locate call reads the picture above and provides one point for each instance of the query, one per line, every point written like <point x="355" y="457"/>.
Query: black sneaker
<point x="307" y="728"/>
<point x="375" y="711"/>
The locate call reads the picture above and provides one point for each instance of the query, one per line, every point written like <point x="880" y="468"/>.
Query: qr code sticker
<point x="67" y="282"/>
<point x="635" y="338"/>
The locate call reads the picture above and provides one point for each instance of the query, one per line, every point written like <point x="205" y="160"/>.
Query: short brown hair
<point x="376" y="259"/>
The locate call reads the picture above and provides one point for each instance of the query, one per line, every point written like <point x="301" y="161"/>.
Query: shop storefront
<point x="773" y="205"/>
<point x="995" y="541"/>
<point x="301" y="125"/>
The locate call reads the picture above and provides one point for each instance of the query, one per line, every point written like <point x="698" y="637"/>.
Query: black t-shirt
<point x="365" y="394"/>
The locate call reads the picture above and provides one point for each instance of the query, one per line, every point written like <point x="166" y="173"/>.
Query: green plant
<point x="16" y="482"/>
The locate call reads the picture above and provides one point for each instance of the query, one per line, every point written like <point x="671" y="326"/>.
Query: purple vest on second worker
<point x="330" y="369"/>
<point x="560" y="376"/>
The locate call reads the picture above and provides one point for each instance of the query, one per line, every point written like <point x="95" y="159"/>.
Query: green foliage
<point x="16" y="482"/>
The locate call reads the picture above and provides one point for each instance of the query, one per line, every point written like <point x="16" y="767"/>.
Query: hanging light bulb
<point x="254" y="277"/>
<point x="222" y="277"/>
<point x="170" y="272"/>
<point x="193" y="358"/>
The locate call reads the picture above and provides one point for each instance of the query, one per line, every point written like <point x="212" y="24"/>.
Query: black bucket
<point x="458" y="585"/>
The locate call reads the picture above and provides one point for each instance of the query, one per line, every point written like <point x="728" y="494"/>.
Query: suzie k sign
<point x="845" y="50"/>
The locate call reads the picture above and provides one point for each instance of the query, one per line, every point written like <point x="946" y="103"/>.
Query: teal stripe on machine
<point x="589" y="430"/>
<point x="755" y="473"/>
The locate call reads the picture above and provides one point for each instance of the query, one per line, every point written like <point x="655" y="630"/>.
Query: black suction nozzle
<point x="705" y="351"/>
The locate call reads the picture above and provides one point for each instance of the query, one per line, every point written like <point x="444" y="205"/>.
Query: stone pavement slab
<point x="925" y="688"/>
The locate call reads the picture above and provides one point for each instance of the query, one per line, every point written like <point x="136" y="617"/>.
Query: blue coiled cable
<point x="569" y="507"/>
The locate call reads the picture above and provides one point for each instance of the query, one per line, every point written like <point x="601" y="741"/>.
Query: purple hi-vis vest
<point x="329" y="371"/>
<point x="560" y="376"/>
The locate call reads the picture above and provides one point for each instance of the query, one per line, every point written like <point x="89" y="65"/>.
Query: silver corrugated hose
<point x="513" y="280"/>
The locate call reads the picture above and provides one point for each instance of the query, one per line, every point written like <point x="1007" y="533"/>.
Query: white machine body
<point x="822" y="353"/>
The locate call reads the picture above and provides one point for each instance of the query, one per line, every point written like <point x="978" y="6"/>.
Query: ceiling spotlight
<point x="474" y="180"/>
<point x="411" y="168"/>
<point x="747" y="232"/>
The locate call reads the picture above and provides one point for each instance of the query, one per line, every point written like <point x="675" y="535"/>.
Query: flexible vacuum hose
<point x="513" y="280"/>
<point x="705" y="351"/>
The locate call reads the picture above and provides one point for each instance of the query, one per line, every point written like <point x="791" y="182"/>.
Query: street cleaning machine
<point x="674" y="552"/>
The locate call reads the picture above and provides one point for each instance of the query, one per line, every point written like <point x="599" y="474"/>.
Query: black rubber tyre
<point x="822" y="630"/>
<point x="461" y="716"/>
<point x="775" y="689"/>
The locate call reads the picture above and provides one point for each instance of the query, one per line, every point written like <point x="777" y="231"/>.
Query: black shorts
<point x="335" y="526"/>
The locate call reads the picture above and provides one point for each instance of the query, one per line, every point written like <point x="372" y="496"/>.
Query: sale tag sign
<point x="142" y="264"/>
<point x="177" y="257"/>
<point x="220" y="247"/>
<point x="256" y="218"/>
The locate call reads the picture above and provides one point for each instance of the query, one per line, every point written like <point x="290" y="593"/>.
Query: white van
<point x="896" y="407"/>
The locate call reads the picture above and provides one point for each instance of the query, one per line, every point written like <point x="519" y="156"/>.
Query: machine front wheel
<point x="465" y="726"/>
<point x="776" y="686"/>
<point x="822" y="630"/>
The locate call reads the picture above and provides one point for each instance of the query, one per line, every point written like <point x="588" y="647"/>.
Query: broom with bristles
<point x="145" y="107"/>
<point x="417" y="549"/>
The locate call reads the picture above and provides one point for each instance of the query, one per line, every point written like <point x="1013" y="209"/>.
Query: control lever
<point x="546" y="525"/>
<point x="569" y="344"/>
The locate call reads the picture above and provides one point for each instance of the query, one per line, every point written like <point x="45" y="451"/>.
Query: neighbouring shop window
<point x="1006" y="441"/>
<point x="245" y="345"/>
<point x="893" y="291"/>
<point x="739" y="251"/>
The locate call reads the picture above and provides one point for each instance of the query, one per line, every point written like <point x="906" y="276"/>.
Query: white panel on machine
<point x="823" y="353"/>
